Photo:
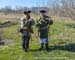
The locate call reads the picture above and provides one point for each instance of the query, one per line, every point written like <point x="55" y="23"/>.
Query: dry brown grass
<point x="65" y="19"/>
<point x="14" y="17"/>
<point x="10" y="17"/>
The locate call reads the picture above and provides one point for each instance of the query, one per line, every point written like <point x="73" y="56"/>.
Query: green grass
<point x="58" y="33"/>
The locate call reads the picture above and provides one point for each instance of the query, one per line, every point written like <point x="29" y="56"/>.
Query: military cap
<point x="26" y="12"/>
<point x="43" y="11"/>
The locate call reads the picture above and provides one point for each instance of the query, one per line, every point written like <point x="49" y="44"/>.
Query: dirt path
<point x="4" y="41"/>
<point x="1" y="37"/>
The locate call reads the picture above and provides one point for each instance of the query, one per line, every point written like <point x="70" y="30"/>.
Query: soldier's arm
<point x="33" y="21"/>
<point x="50" y="21"/>
<point x="38" y="33"/>
<point x="21" y="23"/>
<point x="37" y="23"/>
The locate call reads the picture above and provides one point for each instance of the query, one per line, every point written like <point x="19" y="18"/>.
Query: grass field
<point x="61" y="43"/>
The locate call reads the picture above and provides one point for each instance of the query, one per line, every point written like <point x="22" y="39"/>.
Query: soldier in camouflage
<point x="43" y="29"/>
<point x="26" y="29"/>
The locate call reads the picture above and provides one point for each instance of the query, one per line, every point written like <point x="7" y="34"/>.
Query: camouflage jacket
<point x="26" y="26"/>
<point x="43" y="26"/>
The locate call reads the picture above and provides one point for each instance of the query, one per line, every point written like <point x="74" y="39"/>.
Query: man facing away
<point x="43" y="29"/>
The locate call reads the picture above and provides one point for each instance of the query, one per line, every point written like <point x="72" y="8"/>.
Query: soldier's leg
<point x="42" y="44"/>
<point x="27" y="42"/>
<point x="46" y="44"/>
<point x="23" y="42"/>
<point x="24" y="38"/>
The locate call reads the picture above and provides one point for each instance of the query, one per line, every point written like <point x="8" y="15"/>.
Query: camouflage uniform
<point x="26" y="35"/>
<point x="43" y="29"/>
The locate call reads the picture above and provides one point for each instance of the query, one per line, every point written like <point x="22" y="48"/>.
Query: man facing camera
<point x="43" y="29"/>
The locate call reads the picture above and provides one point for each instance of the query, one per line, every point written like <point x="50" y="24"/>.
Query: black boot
<point x="47" y="47"/>
<point x="26" y="50"/>
<point x="42" y="46"/>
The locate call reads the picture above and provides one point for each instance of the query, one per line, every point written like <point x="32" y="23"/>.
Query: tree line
<point x="63" y="8"/>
